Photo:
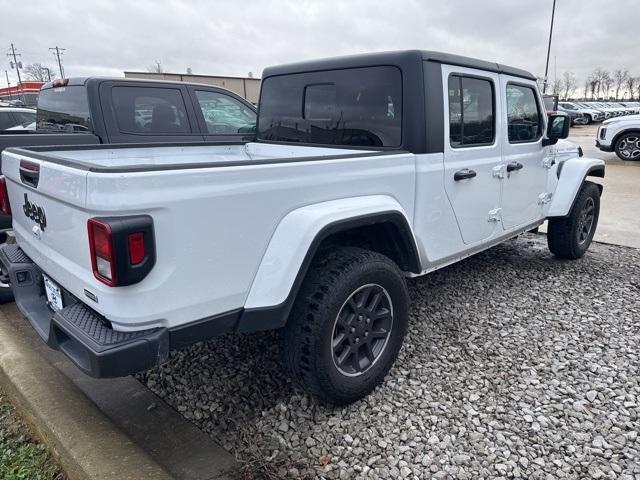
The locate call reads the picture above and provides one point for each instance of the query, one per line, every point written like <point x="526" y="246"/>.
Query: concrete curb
<point x="85" y="441"/>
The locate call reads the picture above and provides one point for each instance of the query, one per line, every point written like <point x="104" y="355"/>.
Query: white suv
<point x="622" y="136"/>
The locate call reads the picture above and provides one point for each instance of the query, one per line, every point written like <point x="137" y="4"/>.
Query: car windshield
<point x="25" y="118"/>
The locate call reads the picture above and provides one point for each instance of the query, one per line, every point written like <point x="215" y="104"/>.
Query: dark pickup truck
<point x="89" y="111"/>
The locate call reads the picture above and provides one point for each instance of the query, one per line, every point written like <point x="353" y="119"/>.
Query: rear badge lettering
<point x="34" y="212"/>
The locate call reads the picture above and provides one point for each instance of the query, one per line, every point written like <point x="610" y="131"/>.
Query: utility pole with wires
<point x="57" y="52"/>
<point x="8" y="83"/>
<point x="546" y="69"/>
<point x="15" y="63"/>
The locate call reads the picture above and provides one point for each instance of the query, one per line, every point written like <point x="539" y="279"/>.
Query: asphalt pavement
<point x="619" y="222"/>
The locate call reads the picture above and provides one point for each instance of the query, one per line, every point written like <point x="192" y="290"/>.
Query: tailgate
<point x="47" y="204"/>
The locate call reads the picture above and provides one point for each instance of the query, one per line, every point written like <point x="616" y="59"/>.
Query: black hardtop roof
<point x="399" y="58"/>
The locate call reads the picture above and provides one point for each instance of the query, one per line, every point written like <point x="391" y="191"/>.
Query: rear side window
<point x="224" y="114"/>
<point x="150" y="110"/>
<point x="524" y="118"/>
<point x="64" y="110"/>
<point x="351" y="107"/>
<point x="471" y="111"/>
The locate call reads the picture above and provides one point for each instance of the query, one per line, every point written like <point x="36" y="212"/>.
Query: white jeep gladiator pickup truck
<point x="365" y="170"/>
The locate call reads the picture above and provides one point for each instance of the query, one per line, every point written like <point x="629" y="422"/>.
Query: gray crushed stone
<point x="516" y="365"/>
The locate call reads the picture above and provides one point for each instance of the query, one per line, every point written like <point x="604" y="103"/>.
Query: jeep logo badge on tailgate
<point x="34" y="212"/>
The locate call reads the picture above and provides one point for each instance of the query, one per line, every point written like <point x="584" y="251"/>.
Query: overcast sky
<point x="235" y="37"/>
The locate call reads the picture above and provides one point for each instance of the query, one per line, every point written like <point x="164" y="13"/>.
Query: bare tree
<point x="156" y="67"/>
<point x="569" y="84"/>
<point x="607" y="83"/>
<point x="637" y="89"/>
<point x="629" y="86"/>
<point x="556" y="86"/>
<point x="587" y="84"/>
<point x="594" y="85"/>
<point x="39" y="72"/>
<point x="620" y="78"/>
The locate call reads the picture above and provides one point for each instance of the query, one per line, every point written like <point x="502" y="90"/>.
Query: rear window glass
<point x="150" y="110"/>
<point x="353" y="107"/>
<point x="64" y="110"/>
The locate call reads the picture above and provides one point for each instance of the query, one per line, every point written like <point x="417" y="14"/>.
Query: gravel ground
<point x="516" y="365"/>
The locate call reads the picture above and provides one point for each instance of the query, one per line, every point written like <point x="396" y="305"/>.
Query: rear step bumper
<point x="82" y="334"/>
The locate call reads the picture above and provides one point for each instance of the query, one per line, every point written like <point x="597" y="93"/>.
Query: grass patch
<point x="21" y="456"/>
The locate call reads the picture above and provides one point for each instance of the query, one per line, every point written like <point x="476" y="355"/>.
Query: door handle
<point x="464" y="174"/>
<point x="513" y="166"/>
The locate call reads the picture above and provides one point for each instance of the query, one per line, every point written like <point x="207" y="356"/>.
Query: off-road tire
<point x="563" y="233"/>
<point x="308" y="351"/>
<point x="620" y="146"/>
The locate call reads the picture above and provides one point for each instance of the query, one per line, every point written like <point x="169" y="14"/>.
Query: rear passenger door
<point x="472" y="150"/>
<point x="526" y="171"/>
<point x="136" y="112"/>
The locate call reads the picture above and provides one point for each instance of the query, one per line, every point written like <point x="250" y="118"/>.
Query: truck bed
<point x="214" y="209"/>
<point x="142" y="157"/>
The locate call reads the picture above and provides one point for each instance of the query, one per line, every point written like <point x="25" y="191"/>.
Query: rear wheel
<point x="569" y="237"/>
<point x="347" y="325"/>
<point x="628" y="146"/>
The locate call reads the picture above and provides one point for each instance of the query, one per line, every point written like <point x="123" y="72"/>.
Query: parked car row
<point x="599" y="111"/>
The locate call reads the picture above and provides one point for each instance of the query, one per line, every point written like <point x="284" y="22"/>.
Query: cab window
<point x="150" y="110"/>
<point x="471" y="111"/>
<point x="224" y="114"/>
<point x="524" y="120"/>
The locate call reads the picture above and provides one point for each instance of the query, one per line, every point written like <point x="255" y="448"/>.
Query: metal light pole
<point x="546" y="68"/>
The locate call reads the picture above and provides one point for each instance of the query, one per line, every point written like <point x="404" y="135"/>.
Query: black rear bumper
<point x="82" y="334"/>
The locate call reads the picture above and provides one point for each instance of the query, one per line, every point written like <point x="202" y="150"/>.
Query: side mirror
<point x="557" y="128"/>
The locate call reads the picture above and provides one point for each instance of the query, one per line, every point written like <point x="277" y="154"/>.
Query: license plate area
<point x="54" y="294"/>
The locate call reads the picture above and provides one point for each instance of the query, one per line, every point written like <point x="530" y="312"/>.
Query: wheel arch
<point x="572" y="174"/>
<point x="614" y="140"/>
<point x="282" y="270"/>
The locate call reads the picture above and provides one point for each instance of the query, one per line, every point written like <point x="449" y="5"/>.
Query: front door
<point x="524" y="186"/>
<point x="472" y="152"/>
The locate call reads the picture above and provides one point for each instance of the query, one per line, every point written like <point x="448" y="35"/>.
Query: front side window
<point x="524" y="120"/>
<point x="224" y="114"/>
<point x="351" y="107"/>
<point x="150" y="110"/>
<point x="471" y="111"/>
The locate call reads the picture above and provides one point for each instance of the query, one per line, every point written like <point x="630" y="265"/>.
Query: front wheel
<point x="628" y="146"/>
<point x="569" y="237"/>
<point x="347" y="325"/>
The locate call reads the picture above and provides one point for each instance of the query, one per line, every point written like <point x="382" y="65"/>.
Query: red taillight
<point x="136" y="248"/>
<point x="102" y="254"/>
<point x="60" y="82"/>
<point x="4" y="197"/>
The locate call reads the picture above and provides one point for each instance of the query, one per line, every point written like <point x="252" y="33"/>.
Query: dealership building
<point x="27" y="92"/>
<point x="248" y="88"/>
